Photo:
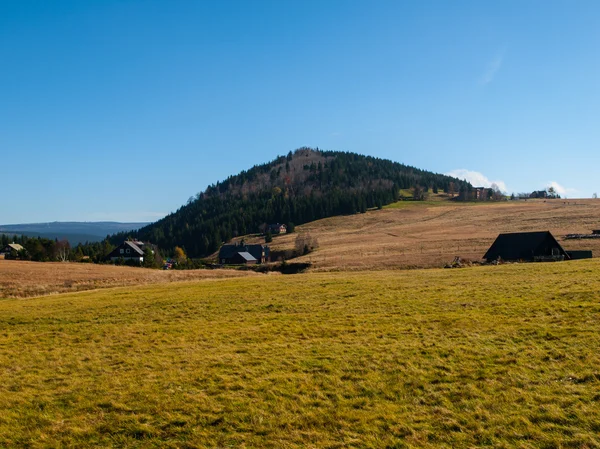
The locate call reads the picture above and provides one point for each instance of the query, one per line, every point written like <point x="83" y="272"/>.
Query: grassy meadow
<point x="505" y="356"/>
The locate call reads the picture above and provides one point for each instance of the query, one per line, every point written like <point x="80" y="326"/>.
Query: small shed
<point x="526" y="246"/>
<point x="580" y="254"/>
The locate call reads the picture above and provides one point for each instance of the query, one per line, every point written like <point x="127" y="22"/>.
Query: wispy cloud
<point x="492" y="68"/>
<point x="476" y="179"/>
<point x="562" y="191"/>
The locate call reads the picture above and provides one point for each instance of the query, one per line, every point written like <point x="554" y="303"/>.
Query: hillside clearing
<point x="503" y="356"/>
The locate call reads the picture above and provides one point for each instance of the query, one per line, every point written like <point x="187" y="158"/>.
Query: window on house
<point x="127" y="251"/>
<point x="121" y="251"/>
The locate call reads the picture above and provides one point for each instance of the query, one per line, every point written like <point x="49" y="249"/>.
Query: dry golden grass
<point x="429" y="234"/>
<point x="24" y="279"/>
<point x="497" y="357"/>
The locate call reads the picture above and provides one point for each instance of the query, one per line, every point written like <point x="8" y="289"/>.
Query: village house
<point x="479" y="193"/>
<point x="242" y="254"/>
<point x="526" y="246"/>
<point x="128" y="251"/>
<point x="243" y="258"/>
<point x="10" y="249"/>
<point x="539" y="194"/>
<point x="277" y="228"/>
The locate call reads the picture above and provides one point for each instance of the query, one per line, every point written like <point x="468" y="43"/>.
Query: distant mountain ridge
<point x="74" y="231"/>
<point x="303" y="186"/>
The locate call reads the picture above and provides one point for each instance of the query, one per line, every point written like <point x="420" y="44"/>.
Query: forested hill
<point x="303" y="186"/>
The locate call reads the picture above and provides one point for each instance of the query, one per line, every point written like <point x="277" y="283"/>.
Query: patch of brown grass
<point x="20" y="279"/>
<point x="429" y="234"/>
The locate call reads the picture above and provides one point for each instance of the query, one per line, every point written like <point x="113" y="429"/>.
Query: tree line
<point x="41" y="249"/>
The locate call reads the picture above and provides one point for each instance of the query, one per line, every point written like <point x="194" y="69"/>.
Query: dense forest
<point x="303" y="186"/>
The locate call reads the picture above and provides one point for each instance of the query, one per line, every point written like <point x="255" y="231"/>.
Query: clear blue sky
<point x="121" y="110"/>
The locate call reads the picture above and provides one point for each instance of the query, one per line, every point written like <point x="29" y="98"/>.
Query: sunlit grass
<point x="503" y="356"/>
<point x="409" y="204"/>
<point x="433" y="200"/>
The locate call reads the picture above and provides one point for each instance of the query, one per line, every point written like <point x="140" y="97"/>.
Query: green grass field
<point x="433" y="200"/>
<point x="505" y="356"/>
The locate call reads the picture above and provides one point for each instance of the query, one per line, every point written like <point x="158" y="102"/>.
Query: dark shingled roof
<point x="523" y="245"/>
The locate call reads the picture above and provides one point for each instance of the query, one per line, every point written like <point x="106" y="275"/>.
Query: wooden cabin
<point x="526" y="246"/>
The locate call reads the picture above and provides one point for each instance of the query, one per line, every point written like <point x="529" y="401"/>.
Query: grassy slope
<point x="432" y="233"/>
<point x="503" y="356"/>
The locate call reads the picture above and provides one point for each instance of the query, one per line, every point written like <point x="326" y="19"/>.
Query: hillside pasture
<point x="411" y="234"/>
<point x="23" y="279"/>
<point x="497" y="356"/>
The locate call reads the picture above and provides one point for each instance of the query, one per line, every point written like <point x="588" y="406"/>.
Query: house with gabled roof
<point x="277" y="228"/>
<point x="129" y="251"/>
<point x="526" y="246"/>
<point x="242" y="254"/>
<point x="11" y="249"/>
<point x="479" y="193"/>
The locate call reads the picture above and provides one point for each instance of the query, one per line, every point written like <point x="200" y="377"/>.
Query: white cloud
<point x="562" y="191"/>
<point x="492" y="68"/>
<point x="476" y="179"/>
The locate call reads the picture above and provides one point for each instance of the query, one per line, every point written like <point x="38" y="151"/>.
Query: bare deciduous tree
<point x="451" y="188"/>
<point x="63" y="248"/>
<point x="305" y="243"/>
<point x="419" y="193"/>
<point x="496" y="193"/>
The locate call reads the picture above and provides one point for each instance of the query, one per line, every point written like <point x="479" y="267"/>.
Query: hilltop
<point x="304" y="186"/>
